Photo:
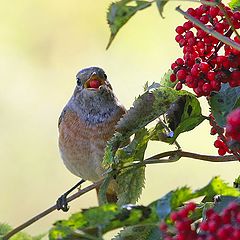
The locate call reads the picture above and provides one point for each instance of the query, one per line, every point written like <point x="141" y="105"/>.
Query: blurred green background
<point x="43" y="44"/>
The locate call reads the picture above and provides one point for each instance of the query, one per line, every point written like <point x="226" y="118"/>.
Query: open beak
<point x="94" y="82"/>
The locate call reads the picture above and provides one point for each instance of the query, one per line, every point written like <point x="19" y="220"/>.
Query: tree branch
<point x="49" y="210"/>
<point x="173" y="156"/>
<point x="177" y="154"/>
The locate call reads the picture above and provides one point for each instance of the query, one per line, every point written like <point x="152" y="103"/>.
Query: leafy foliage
<point x="138" y="220"/>
<point x="223" y="102"/>
<point x="235" y="4"/>
<point x="156" y="101"/>
<point x="120" y="12"/>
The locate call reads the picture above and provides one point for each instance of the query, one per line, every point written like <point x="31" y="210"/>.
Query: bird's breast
<point x="82" y="144"/>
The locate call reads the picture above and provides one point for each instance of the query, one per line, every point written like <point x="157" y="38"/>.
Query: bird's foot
<point x="62" y="203"/>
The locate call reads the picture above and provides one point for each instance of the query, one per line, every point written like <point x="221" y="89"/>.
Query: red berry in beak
<point x="94" y="83"/>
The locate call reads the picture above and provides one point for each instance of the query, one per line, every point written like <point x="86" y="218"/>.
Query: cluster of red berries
<point x="233" y="125"/>
<point x="225" y="225"/>
<point x="202" y="68"/>
<point x="228" y="139"/>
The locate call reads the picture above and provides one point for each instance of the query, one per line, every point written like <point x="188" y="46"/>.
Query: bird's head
<point x="93" y="96"/>
<point x="92" y="81"/>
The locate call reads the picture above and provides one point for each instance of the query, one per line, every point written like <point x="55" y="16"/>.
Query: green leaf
<point x="120" y="12"/>
<point x="135" y="150"/>
<point x="235" y="5"/>
<point x="160" y="5"/>
<point x="141" y="232"/>
<point x="165" y="81"/>
<point x="184" y="115"/>
<point x="130" y="185"/>
<point x="94" y="222"/>
<point x="223" y="102"/>
<point x="103" y="189"/>
<point x="146" y="108"/>
<point x="216" y="187"/>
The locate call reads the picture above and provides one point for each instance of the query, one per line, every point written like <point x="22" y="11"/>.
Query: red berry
<point x="204" y="67"/>
<point x="207" y="88"/>
<point x="181" y="74"/>
<point x="180" y="30"/>
<point x="173" y="77"/>
<point x="179" y="61"/>
<point x="179" y="86"/>
<point x="222" y="151"/>
<point x="94" y="83"/>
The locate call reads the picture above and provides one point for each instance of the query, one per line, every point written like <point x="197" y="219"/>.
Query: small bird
<point x="86" y="123"/>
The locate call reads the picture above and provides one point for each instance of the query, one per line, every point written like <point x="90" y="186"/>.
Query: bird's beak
<point x="94" y="82"/>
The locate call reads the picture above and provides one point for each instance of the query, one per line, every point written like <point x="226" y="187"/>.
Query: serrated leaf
<point x="160" y="5"/>
<point x="102" y="198"/>
<point x="185" y="116"/>
<point x="130" y="185"/>
<point x="141" y="232"/>
<point x="235" y="5"/>
<point x="165" y="81"/>
<point x="99" y="220"/>
<point x="92" y="223"/>
<point x="120" y="12"/>
<point x="146" y="108"/>
<point x="223" y="102"/>
<point x="216" y="187"/>
<point x="135" y="150"/>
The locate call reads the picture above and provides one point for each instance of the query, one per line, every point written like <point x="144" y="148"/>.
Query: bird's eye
<point x="105" y="75"/>
<point x="78" y="82"/>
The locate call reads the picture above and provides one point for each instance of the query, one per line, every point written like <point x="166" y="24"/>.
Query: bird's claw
<point x="62" y="203"/>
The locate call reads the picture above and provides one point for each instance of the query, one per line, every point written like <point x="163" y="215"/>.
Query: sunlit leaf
<point x="235" y="5"/>
<point x="99" y="220"/>
<point x="120" y="12"/>
<point x="165" y="81"/>
<point x="141" y="232"/>
<point x="160" y="5"/>
<point x="216" y="187"/>
<point x="130" y="185"/>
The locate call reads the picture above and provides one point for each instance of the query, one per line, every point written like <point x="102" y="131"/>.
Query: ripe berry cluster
<point x="202" y="67"/>
<point x="225" y="225"/>
<point x="233" y="125"/>
<point x="228" y="140"/>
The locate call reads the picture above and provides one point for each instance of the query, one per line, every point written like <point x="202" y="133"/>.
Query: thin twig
<point x="178" y="153"/>
<point x="49" y="210"/>
<point x="214" y="33"/>
<point x="221" y="7"/>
